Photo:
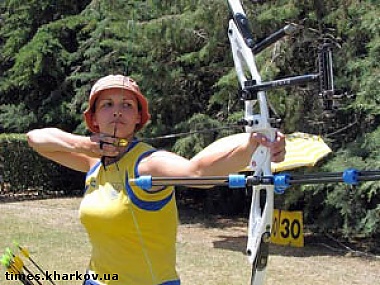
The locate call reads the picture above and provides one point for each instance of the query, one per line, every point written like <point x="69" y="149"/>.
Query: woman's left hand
<point x="277" y="147"/>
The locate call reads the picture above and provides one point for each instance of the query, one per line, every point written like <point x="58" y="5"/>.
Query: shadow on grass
<point x="193" y="215"/>
<point x="315" y="245"/>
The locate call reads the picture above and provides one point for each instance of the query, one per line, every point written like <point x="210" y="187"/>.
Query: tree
<point x="178" y="51"/>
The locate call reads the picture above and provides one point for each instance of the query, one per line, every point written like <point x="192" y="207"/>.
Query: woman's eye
<point x="127" y="105"/>
<point x="106" y="105"/>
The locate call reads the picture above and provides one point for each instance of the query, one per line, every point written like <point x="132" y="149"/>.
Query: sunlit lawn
<point x="208" y="252"/>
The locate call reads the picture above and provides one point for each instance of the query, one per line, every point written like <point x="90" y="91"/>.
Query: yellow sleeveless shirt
<point x="132" y="231"/>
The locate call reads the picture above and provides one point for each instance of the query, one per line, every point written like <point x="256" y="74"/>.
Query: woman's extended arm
<point x="227" y="155"/>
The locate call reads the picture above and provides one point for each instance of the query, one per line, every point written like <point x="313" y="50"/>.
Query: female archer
<point x="133" y="231"/>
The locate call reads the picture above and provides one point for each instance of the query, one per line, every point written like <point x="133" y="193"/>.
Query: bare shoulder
<point x="162" y="163"/>
<point x="160" y="156"/>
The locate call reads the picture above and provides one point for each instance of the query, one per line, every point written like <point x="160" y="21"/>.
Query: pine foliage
<point x="52" y="52"/>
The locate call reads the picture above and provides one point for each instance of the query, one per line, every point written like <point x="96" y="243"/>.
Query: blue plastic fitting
<point x="281" y="183"/>
<point x="236" y="181"/>
<point x="350" y="176"/>
<point x="144" y="182"/>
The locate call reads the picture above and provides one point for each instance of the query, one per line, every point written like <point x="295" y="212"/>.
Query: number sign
<point x="287" y="228"/>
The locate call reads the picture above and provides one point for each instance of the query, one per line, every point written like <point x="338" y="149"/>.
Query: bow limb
<point x="260" y="217"/>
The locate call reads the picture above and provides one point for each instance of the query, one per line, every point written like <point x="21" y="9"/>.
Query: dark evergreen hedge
<point x="25" y="171"/>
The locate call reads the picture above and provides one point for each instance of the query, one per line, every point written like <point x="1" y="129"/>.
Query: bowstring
<point x="183" y="134"/>
<point x="139" y="233"/>
<point x="135" y="221"/>
<point x="137" y="226"/>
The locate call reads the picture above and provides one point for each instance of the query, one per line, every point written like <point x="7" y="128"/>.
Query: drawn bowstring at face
<point x="120" y="142"/>
<point x="116" y="115"/>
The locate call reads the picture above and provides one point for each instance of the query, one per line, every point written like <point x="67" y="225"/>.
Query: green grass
<point x="50" y="230"/>
<point x="210" y="250"/>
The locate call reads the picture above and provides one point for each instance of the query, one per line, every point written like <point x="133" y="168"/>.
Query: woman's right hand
<point x="102" y="145"/>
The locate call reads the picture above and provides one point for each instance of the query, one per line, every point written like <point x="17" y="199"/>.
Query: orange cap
<point x="121" y="82"/>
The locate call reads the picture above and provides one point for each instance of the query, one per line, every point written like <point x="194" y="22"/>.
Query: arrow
<point x="25" y="252"/>
<point x="15" y="266"/>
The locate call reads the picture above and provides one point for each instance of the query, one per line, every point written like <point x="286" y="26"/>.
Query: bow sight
<point x="324" y="76"/>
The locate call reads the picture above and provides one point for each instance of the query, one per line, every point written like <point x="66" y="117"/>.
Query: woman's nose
<point x="117" y="114"/>
<point x="117" y="111"/>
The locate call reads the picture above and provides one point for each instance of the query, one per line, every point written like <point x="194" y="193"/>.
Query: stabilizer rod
<point x="280" y="181"/>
